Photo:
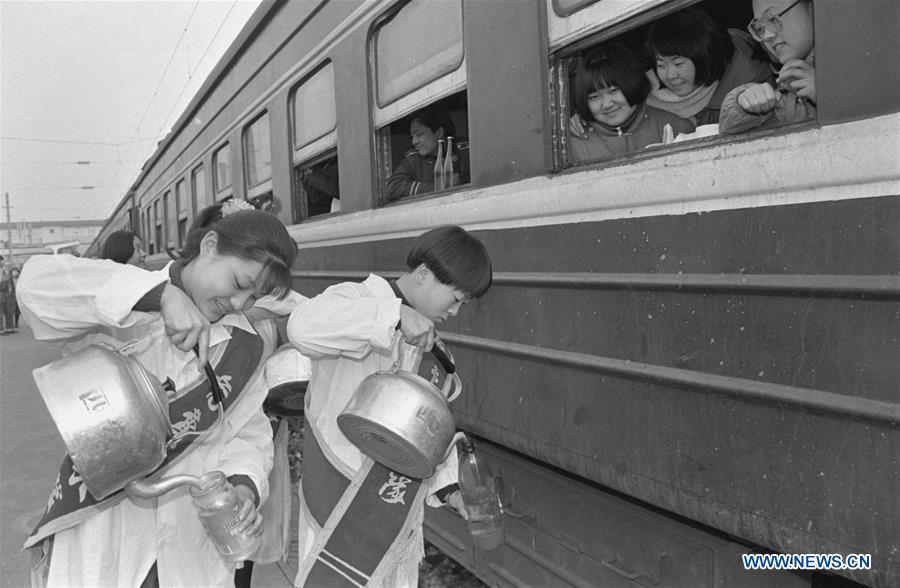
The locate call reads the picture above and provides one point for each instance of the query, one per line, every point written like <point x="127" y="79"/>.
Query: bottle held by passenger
<point x="218" y="506"/>
<point x="448" y="165"/>
<point x="476" y="484"/>
<point x="439" y="167"/>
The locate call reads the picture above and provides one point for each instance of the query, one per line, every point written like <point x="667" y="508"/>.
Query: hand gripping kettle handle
<point x="440" y="353"/>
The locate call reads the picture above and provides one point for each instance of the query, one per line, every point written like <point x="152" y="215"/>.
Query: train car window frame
<point x="443" y="83"/>
<point x="158" y="234"/>
<point x="318" y="90"/>
<point x="169" y="220"/>
<point x="184" y="211"/>
<point x="256" y="146"/>
<point x="198" y="189"/>
<point x="611" y="18"/>
<point x="586" y="35"/>
<point x="222" y="176"/>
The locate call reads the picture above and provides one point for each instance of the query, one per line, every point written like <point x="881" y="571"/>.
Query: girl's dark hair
<point x="607" y="66"/>
<point x="455" y="257"/>
<point x="435" y="118"/>
<point x="119" y="246"/>
<point x="692" y="33"/>
<point x="251" y="235"/>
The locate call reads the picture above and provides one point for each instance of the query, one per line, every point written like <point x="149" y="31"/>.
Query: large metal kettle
<point x="402" y="420"/>
<point x="113" y="417"/>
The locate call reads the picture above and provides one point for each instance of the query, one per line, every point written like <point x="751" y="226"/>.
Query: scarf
<point x="683" y="106"/>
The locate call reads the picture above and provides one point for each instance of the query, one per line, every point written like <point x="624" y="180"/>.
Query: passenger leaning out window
<point x="697" y="62"/>
<point x="415" y="174"/>
<point x="785" y="30"/>
<point x="611" y="90"/>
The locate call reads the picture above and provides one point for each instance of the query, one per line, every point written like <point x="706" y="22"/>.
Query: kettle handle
<point x="440" y="353"/>
<point x="452" y="387"/>
<point x="457" y="437"/>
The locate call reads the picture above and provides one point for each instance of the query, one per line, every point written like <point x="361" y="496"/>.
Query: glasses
<point x="769" y="21"/>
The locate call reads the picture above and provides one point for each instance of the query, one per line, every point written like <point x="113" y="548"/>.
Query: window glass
<point x="421" y="43"/>
<point x="198" y="182"/>
<point x="222" y="165"/>
<point x="158" y="233"/>
<point x="567" y="7"/>
<point x="181" y="202"/>
<point x="258" y="151"/>
<point x="314" y="112"/>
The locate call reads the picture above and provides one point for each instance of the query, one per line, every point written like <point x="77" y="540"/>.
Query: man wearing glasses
<point x="785" y="30"/>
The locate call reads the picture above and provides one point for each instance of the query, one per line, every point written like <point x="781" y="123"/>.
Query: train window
<point x="314" y="122"/>
<point x="316" y="186"/>
<point x="420" y="43"/>
<point x="567" y="7"/>
<point x="258" y="156"/>
<point x="409" y="148"/>
<point x="222" y="167"/>
<point x="665" y="77"/>
<point x="158" y="228"/>
<point x="169" y="219"/>
<point x="313" y="112"/>
<point x="198" y="188"/>
<point x="184" y="210"/>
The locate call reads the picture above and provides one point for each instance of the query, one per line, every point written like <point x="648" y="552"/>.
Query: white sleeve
<point x="62" y="296"/>
<point x="251" y="453"/>
<point x="346" y="320"/>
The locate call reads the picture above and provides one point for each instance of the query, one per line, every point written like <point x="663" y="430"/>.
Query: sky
<point x="97" y="82"/>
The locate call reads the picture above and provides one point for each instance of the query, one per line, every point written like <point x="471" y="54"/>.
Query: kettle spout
<point x="146" y="489"/>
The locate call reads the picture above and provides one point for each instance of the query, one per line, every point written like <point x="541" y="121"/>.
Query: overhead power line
<point x="71" y="142"/>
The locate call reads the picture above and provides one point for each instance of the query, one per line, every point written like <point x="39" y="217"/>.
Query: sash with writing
<point x="361" y="519"/>
<point x="194" y="412"/>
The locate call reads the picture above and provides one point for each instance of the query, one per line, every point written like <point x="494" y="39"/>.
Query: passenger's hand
<point x="758" y="99"/>
<point x="800" y="77"/>
<point x="185" y="324"/>
<point x="416" y="327"/>
<point x="577" y="127"/>
<point x="251" y="520"/>
<point x="455" y="501"/>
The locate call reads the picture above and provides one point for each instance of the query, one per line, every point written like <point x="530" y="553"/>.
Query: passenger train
<point x="688" y="354"/>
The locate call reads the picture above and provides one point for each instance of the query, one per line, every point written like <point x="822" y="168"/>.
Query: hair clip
<point x="235" y="205"/>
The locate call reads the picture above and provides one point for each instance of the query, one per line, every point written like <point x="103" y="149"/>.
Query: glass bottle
<point x="448" y="165"/>
<point x="476" y="484"/>
<point x="439" y="167"/>
<point x="218" y="505"/>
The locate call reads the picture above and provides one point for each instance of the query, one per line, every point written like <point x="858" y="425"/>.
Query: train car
<point x="689" y="352"/>
<point x="123" y="218"/>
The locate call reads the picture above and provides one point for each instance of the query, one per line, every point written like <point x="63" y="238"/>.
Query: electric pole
<point x="8" y="229"/>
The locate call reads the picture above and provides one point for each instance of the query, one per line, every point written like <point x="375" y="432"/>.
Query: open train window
<point x="425" y="151"/>
<point x="258" y="158"/>
<point x="316" y="188"/>
<point x="222" y="172"/>
<point x="775" y="75"/>
<point x="169" y="219"/>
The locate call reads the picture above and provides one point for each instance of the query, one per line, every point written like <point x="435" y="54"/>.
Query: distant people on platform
<point x="320" y="182"/>
<point x="8" y="304"/>
<point x="416" y="173"/>
<point x="785" y="30"/>
<point x="124" y="247"/>
<point x="611" y="90"/>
